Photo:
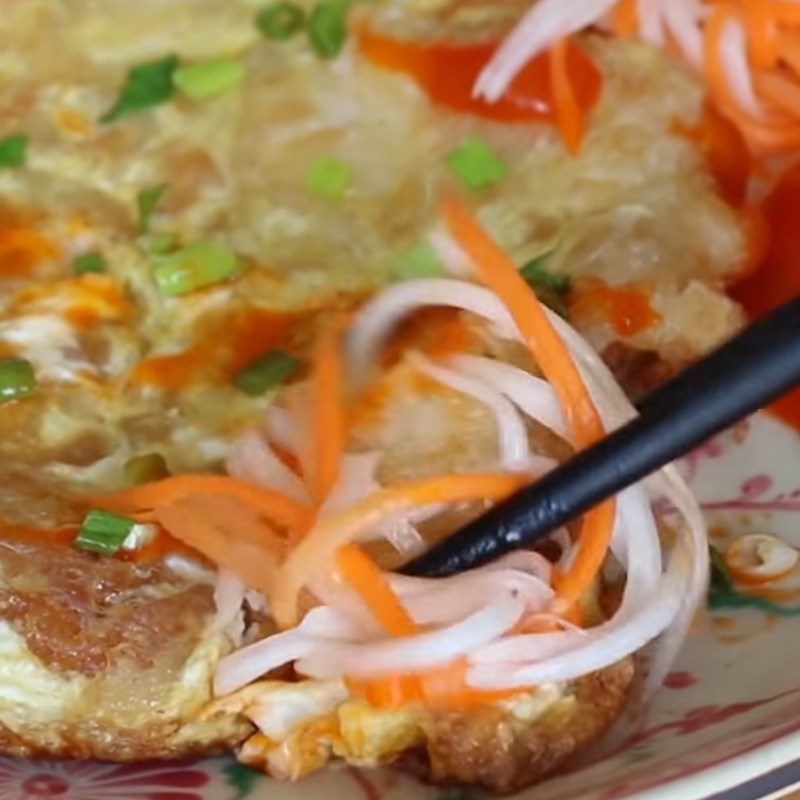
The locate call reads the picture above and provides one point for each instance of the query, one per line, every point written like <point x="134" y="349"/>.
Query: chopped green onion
<point x="209" y="78"/>
<point x="266" y="372"/>
<point x="327" y="28"/>
<point x="194" y="267"/>
<point x="13" y="151"/>
<point x="146" y="202"/>
<point x="103" y="532"/>
<point x="161" y="243"/>
<point x="420" y="261"/>
<point x="147" y="85"/>
<point x="328" y="177"/>
<point x="553" y="289"/>
<point x="280" y="21"/>
<point x="145" y="468"/>
<point x="89" y="262"/>
<point x="539" y="276"/>
<point x="17" y="379"/>
<point x="475" y="164"/>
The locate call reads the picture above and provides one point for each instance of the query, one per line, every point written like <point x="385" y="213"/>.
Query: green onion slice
<point x="146" y="202"/>
<point x="420" y="261"/>
<point x="13" y="151"/>
<point x="266" y="372"/>
<point x="161" y="243"/>
<point x="17" y="379"/>
<point x="475" y="164"/>
<point x="147" y="85"/>
<point x="280" y="21"/>
<point x="327" y="28"/>
<point x="328" y="177"/>
<point x="553" y="289"/>
<point x="209" y="78"/>
<point x="146" y="468"/>
<point x="103" y="532"/>
<point x="89" y="262"/>
<point x="194" y="267"/>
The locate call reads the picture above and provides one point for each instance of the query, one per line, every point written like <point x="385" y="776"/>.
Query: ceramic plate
<point x="727" y="720"/>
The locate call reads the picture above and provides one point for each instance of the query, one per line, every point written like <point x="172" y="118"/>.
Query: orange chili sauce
<point x="227" y="344"/>
<point x="447" y="72"/>
<point x="627" y="307"/>
<point x="775" y="278"/>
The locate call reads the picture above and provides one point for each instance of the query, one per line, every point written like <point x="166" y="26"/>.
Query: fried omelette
<point x="173" y="249"/>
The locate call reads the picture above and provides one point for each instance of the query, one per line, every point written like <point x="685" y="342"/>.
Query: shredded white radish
<point x="472" y="616"/>
<point x="424" y="651"/>
<point x="229" y="594"/>
<point x="681" y="21"/>
<point x="545" y="23"/>
<point x="534" y="396"/>
<point x="733" y="52"/>
<point x="252" y="459"/>
<point x="513" y="438"/>
<point x="455" y="260"/>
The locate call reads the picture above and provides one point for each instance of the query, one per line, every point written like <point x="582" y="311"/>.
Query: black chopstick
<point x="743" y="375"/>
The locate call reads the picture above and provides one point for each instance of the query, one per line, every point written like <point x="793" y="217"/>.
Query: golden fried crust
<point x="82" y="739"/>
<point x="102" y="658"/>
<point x="491" y="748"/>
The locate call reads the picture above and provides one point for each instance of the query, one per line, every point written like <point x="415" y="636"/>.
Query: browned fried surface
<point x="115" y="638"/>
<point x="491" y="748"/>
<point x="83" y="613"/>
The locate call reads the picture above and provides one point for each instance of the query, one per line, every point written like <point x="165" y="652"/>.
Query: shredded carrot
<point x="763" y="33"/>
<point x="501" y="275"/>
<point x="625" y="19"/>
<point x="781" y="91"/>
<point x="569" y="116"/>
<point x="319" y="547"/>
<point x="328" y="414"/>
<point x="227" y="533"/>
<point x="790" y="50"/>
<point x="443" y="687"/>
<point x="273" y="506"/>
<point x="363" y="575"/>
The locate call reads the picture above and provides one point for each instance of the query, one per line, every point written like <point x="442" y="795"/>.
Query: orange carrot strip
<point x="790" y="50"/>
<point x="569" y="116"/>
<point x="501" y="275"/>
<point x="328" y="415"/>
<point x="363" y="575"/>
<point x="272" y="505"/>
<point x="625" y="19"/>
<point x="780" y="90"/>
<point x="218" y="528"/>
<point x="764" y="38"/>
<point x="316" y="551"/>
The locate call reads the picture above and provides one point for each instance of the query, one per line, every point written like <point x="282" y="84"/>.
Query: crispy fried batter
<point x="492" y="748"/>
<point x="102" y="658"/>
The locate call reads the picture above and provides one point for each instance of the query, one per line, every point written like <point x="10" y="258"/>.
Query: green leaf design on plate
<point x="722" y="591"/>
<point x="241" y="778"/>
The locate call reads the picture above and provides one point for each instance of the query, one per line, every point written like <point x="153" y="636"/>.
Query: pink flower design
<point x="679" y="680"/>
<point x="85" y="780"/>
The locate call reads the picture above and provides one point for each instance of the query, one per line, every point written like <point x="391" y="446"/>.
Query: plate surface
<point x="728" y="719"/>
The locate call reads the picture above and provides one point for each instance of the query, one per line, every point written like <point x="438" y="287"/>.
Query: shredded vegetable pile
<point x="300" y="511"/>
<point x="747" y="50"/>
